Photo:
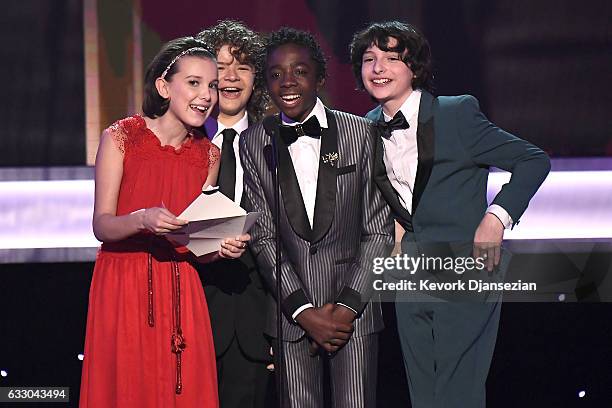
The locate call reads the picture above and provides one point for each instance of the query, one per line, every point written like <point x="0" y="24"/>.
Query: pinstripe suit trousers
<point x="353" y="374"/>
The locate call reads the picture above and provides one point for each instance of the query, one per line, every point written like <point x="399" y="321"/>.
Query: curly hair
<point x="288" y="35"/>
<point x="411" y="44"/>
<point x="247" y="47"/>
<point x="153" y="105"/>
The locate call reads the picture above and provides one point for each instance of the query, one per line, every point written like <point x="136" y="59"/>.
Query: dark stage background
<point x="539" y="68"/>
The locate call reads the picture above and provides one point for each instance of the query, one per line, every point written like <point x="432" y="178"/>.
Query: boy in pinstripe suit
<point x="333" y="222"/>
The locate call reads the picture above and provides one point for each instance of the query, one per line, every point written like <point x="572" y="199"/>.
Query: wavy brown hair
<point x="247" y="47"/>
<point x="411" y="45"/>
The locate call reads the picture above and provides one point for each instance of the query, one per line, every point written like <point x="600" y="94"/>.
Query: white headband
<point x="187" y="51"/>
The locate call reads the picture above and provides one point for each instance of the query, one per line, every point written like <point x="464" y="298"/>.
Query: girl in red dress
<point x="148" y="341"/>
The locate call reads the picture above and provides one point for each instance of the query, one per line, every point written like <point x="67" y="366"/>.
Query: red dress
<point x="148" y="341"/>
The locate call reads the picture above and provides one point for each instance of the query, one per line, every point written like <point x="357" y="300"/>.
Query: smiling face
<point x="235" y="84"/>
<point x="291" y="75"/>
<point x="192" y="90"/>
<point x="386" y="77"/>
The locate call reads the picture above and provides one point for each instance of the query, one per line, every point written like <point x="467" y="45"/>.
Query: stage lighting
<point x="80" y="357"/>
<point x="3" y="373"/>
<point x="581" y="394"/>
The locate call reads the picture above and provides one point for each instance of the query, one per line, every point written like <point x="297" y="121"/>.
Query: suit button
<point x="313" y="250"/>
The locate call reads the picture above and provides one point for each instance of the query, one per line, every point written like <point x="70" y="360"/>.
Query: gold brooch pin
<point x="330" y="158"/>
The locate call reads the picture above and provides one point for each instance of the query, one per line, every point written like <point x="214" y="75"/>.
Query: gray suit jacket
<point x="331" y="262"/>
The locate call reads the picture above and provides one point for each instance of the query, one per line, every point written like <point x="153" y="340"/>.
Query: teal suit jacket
<point x="457" y="145"/>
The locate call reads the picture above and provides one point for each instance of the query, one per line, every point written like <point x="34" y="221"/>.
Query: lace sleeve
<point x="213" y="155"/>
<point x="118" y="135"/>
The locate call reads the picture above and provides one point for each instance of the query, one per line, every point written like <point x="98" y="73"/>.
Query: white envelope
<point x="212" y="218"/>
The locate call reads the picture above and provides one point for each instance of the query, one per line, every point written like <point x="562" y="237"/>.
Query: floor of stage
<point x="546" y="354"/>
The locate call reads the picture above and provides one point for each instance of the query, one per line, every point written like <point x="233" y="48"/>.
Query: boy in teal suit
<point x="432" y="163"/>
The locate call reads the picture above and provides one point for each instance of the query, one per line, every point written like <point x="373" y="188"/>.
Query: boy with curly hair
<point x="235" y="295"/>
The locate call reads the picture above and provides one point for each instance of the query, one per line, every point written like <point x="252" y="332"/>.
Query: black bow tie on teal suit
<point x="398" y="122"/>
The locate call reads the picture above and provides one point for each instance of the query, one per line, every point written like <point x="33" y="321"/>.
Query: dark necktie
<point x="398" y="122"/>
<point x="311" y="128"/>
<point x="227" y="170"/>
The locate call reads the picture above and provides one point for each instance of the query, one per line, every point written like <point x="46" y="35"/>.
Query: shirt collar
<point x="215" y="127"/>
<point x="318" y="111"/>
<point x="410" y="107"/>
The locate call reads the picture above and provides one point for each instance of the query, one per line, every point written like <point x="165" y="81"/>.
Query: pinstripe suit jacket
<point x="332" y="261"/>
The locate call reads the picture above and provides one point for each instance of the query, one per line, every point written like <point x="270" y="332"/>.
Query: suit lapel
<point x="425" y="147"/>
<point x="325" y="201"/>
<point x="290" y="189"/>
<point x="380" y="173"/>
<point x="386" y="188"/>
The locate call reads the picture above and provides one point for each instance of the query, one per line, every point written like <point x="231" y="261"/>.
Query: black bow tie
<point x="398" y="122"/>
<point x="290" y="134"/>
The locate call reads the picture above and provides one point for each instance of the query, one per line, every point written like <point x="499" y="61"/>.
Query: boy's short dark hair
<point x="247" y="47"/>
<point x="288" y="35"/>
<point x="411" y="44"/>
<point x="153" y="105"/>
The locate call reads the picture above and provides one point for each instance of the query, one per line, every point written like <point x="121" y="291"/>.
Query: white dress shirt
<point x="401" y="149"/>
<point x="305" y="154"/>
<point x="216" y="128"/>
<point x="401" y="152"/>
